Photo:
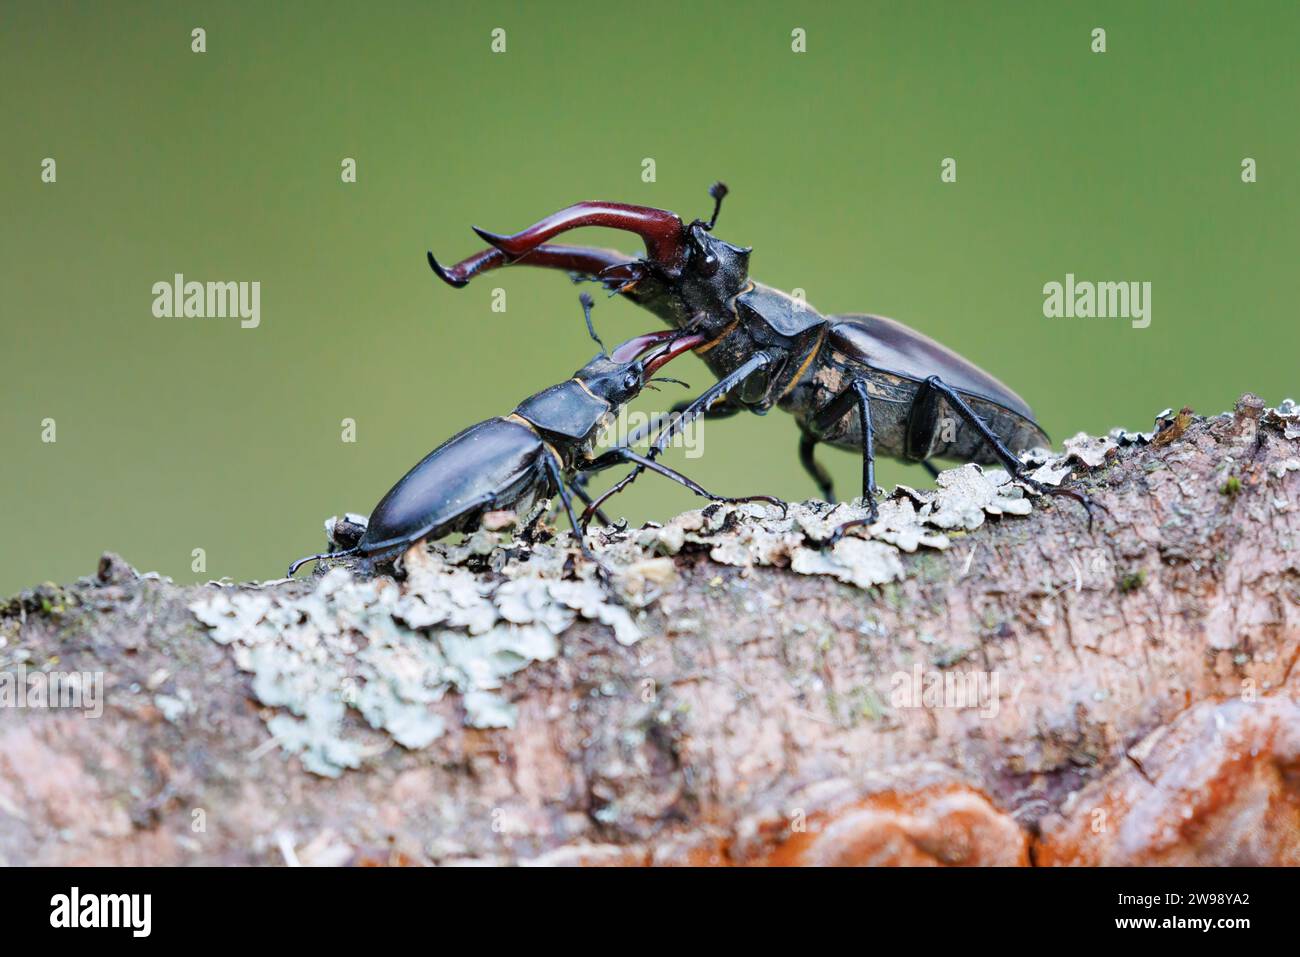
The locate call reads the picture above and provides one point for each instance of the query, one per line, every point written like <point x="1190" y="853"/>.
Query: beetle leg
<point x="579" y="486"/>
<point x="313" y="558"/>
<point x="527" y="534"/>
<point x="697" y="407"/>
<point x="723" y="409"/>
<point x="807" y="443"/>
<point x="582" y="260"/>
<point x="562" y="489"/>
<point x="623" y="453"/>
<point x="936" y="386"/>
<point x="709" y="398"/>
<point x="605" y="496"/>
<point x="579" y="530"/>
<point x="854" y="395"/>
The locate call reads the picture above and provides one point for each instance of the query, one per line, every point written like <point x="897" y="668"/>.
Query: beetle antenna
<point x="718" y="190"/>
<point x="664" y="378"/>
<point x="591" y="329"/>
<point x="315" y="558"/>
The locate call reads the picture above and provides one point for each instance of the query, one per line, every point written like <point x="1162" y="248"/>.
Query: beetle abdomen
<point x="490" y="465"/>
<point x="890" y="346"/>
<point x="852" y="350"/>
<point x="956" y="441"/>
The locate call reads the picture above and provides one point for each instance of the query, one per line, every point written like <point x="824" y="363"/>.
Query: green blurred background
<point x="177" y="434"/>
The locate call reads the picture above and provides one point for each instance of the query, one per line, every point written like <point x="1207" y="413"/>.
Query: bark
<point x="1145" y="709"/>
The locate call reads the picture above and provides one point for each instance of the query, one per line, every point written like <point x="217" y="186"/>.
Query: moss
<point x="1231" y="487"/>
<point x="1132" y="581"/>
<point x="47" y="599"/>
<point x="864" y="704"/>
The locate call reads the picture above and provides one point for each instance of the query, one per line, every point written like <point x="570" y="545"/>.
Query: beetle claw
<point x="345" y="553"/>
<point x="750" y="499"/>
<point x="606" y="578"/>
<point x="1089" y="505"/>
<point x="773" y="500"/>
<point x="872" y="516"/>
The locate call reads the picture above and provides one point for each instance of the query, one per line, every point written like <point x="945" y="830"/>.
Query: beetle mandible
<point x="861" y="382"/>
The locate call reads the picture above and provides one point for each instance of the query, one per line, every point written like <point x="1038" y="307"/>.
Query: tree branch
<point x="968" y="685"/>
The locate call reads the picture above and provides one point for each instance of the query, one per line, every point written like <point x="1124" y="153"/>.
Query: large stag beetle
<point x="859" y="382"/>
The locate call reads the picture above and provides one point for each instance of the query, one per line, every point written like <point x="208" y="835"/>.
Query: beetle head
<point x="615" y="382"/>
<point x="686" y="270"/>
<point x="619" y="376"/>
<point x="692" y="272"/>
<point x="724" y="266"/>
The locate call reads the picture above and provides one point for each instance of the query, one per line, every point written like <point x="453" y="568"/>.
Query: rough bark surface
<point x="1146" y="708"/>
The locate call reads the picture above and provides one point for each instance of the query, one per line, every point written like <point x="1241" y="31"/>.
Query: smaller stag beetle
<point x="858" y="382"/>
<point x="521" y="460"/>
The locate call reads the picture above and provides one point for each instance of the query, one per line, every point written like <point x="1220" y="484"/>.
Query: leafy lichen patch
<point x="749" y="535"/>
<point x="1089" y="450"/>
<point x="392" y="650"/>
<point x="1285" y="417"/>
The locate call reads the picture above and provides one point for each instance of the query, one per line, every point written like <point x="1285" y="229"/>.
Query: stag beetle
<point x="521" y="460"/>
<point x="861" y="382"/>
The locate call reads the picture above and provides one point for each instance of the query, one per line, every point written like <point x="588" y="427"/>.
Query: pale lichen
<point x="1089" y="450"/>
<point x="1285" y="417"/>
<point x="392" y="650"/>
